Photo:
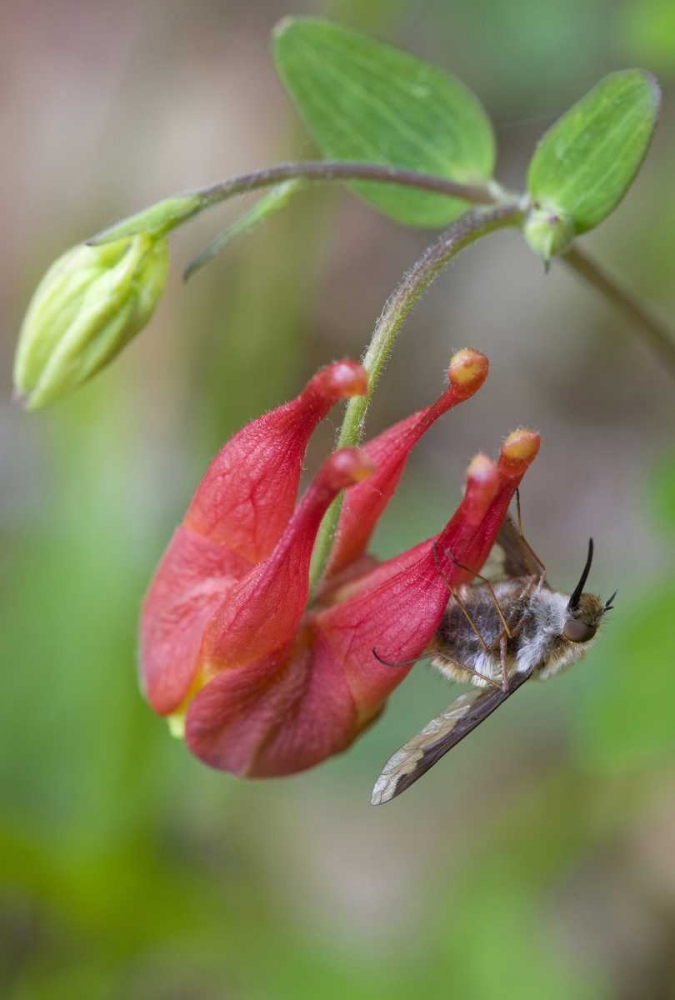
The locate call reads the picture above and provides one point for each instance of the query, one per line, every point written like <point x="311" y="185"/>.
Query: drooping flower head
<point x="267" y="681"/>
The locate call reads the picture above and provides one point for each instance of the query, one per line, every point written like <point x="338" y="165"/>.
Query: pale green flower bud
<point x="548" y="232"/>
<point x="89" y="304"/>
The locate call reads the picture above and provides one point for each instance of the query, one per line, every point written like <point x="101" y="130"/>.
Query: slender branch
<point x="466" y="230"/>
<point x="166" y="215"/>
<point x="327" y="170"/>
<point x="660" y="339"/>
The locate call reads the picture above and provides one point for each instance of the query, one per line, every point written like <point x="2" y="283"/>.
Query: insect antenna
<point x="609" y="603"/>
<point x="573" y="602"/>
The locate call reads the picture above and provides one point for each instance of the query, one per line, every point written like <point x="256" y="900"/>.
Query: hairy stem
<point x="660" y="339"/>
<point x="172" y="212"/>
<point x="327" y="170"/>
<point x="461" y="234"/>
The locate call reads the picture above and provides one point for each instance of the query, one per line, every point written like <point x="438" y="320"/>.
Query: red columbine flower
<point x="267" y="681"/>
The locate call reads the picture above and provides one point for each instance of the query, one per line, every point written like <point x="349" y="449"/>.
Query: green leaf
<point x="270" y="203"/>
<point x="363" y="100"/>
<point x="585" y="163"/>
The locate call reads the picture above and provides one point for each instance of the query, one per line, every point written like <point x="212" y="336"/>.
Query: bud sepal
<point x="87" y="307"/>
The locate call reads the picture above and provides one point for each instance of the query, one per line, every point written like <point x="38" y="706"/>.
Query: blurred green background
<point x="539" y="859"/>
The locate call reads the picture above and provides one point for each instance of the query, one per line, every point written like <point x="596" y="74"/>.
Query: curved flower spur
<point x="262" y="680"/>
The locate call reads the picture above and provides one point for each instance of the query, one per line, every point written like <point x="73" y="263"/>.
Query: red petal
<point x="364" y="505"/>
<point x="263" y="611"/>
<point x="207" y="607"/>
<point x="277" y="716"/>
<point x="246" y="498"/>
<point x="190" y="584"/>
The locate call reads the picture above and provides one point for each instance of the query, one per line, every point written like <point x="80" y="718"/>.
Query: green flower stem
<point x="461" y="234"/>
<point x="656" y="333"/>
<point x="327" y="170"/>
<point x="173" y="212"/>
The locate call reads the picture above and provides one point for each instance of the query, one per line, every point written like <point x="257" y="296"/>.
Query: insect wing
<point x="494" y="568"/>
<point x="444" y="732"/>
<point x="513" y="554"/>
<point x="508" y="556"/>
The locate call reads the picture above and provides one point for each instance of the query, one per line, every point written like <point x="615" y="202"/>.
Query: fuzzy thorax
<point x="467" y="645"/>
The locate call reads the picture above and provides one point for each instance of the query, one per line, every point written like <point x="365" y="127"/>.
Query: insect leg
<point x="502" y="660"/>
<point x="453" y="593"/>
<point x="488" y="584"/>
<point x="528" y="548"/>
<point x="408" y="663"/>
<point x="489" y="682"/>
<point x="396" y="663"/>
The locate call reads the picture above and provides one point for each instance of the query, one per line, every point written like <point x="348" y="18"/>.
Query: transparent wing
<point x="440" y="735"/>
<point x="516" y="559"/>
<point x="494" y="567"/>
<point x="511" y="556"/>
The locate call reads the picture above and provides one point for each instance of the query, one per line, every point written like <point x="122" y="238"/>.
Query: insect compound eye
<point x="577" y="631"/>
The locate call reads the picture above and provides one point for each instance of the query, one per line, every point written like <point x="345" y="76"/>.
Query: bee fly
<point x="496" y="637"/>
